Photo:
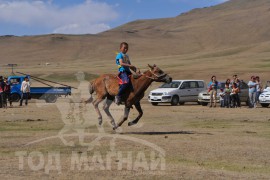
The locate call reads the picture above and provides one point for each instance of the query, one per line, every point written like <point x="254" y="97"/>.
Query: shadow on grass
<point x="164" y="132"/>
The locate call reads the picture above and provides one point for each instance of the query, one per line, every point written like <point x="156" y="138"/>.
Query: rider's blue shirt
<point x="125" y="59"/>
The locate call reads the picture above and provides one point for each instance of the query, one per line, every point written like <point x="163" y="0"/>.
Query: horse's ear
<point x="151" y="67"/>
<point x="154" y="65"/>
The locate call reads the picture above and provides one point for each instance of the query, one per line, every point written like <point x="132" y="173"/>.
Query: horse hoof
<point x="115" y="127"/>
<point x="131" y="123"/>
<point x="100" y="121"/>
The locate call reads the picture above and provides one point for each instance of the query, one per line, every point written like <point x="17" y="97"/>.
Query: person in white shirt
<point x="252" y="84"/>
<point x="25" y="89"/>
<point x="221" y="97"/>
<point x="259" y="88"/>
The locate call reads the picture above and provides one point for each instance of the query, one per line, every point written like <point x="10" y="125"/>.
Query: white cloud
<point x="82" y="29"/>
<point x="221" y="1"/>
<point x="87" y="17"/>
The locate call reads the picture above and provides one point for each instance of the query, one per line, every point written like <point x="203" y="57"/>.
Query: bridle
<point x="156" y="77"/>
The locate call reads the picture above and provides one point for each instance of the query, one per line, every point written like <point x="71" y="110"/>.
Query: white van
<point x="178" y="91"/>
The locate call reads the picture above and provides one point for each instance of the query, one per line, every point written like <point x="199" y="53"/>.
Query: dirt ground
<point x="64" y="141"/>
<point x="170" y="142"/>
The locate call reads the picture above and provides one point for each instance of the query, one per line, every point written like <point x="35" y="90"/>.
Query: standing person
<point x="212" y="89"/>
<point x="2" y="87"/>
<point x="252" y="92"/>
<point x="227" y="92"/>
<point x="259" y="88"/>
<point x="7" y="92"/>
<point x="123" y="63"/>
<point x="25" y="89"/>
<point x="237" y="81"/>
<point x="234" y="95"/>
<point x="221" y="97"/>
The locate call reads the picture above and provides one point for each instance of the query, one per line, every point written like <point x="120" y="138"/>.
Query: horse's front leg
<point x="139" y="109"/>
<point x="126" y="113"/>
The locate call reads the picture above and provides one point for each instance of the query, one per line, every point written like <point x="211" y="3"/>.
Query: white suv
<point x="178" y="91"/>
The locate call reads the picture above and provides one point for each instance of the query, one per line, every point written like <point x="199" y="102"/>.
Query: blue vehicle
<point x="49" y="94"/>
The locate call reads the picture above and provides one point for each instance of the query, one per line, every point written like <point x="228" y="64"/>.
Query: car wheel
<point x="199" y="103"/>
<point x="181" y="103"/>
<point x="15" y="97"/>
<point x="154" y="103"/>
<point x="175" y="100"/>
<point x="264" y="105"/>
<point x="204" y="103"/>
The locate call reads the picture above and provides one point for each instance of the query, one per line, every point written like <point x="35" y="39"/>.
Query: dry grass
<point x="199" y="142"/>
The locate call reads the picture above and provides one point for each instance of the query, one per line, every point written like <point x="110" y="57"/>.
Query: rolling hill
<point x="236" y="32"/>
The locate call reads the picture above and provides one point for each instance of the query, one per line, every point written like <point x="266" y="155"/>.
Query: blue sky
<point x="35" y="17"/>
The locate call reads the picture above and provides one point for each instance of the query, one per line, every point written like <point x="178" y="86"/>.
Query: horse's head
<point x="158" y="75"/>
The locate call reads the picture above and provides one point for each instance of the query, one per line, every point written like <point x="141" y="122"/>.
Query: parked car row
<point x="181" y="91"/>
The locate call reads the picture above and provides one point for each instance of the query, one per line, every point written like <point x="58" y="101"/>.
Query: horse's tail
<point x="91" y="88"/>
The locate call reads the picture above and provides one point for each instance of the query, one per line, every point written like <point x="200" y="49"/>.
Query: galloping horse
<point x="106" y="87"/>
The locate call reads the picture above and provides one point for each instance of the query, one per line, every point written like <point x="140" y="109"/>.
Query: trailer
<point x="49" y="94"/>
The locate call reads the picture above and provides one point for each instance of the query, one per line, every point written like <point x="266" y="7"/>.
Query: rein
<point x="156" y="77"/>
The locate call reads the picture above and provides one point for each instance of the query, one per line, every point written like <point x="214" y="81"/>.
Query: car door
<point x="184" y="91"/>
<point x="194" y="91"/>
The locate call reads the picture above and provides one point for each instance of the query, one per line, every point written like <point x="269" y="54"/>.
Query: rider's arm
<point x="124" y="64"/>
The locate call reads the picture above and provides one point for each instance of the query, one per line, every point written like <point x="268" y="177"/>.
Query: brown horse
<point x="106" y="87"/>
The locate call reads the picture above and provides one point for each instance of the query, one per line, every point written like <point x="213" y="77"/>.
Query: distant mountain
<point x="233" y="24"/>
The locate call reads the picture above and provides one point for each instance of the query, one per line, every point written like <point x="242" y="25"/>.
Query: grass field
<point x="198" y="143"/>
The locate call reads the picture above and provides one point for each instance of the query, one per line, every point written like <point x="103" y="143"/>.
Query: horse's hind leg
<point x="95" y="103"/>
<point x="139" y="109"/>
<point x="106" y="107"/>
<point x="126" y="113"/>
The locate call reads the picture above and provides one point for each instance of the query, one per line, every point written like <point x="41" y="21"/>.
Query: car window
<point x="193" y="84"/>
<point x="243" y="85"/>
<point x="15" y="81"/>
<point x="221" y="85"/>
<point x="173" y="84"/>
<point x="185" y="85"/>
<point x="201" y="84"/>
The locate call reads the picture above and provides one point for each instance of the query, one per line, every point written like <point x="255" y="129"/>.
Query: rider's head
<point x="124" y="47"/>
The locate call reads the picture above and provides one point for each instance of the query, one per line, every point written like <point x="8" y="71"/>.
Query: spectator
<point x="234" y="95"/>
<point x="212" y="89"/>
<point x="25" y="89"/>
<point x="221" y="97"/>
<point x="259" y="88"/>
<point x="237" y="96"/>
<point x="252" y="92"/>
<point x="2" y="86"/>
<point x="7" y="89"/>
<point x="227" y="92"/>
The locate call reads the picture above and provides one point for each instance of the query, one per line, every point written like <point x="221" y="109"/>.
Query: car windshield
<point x="171" y="85"/>
<point x="14" y="81"/>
